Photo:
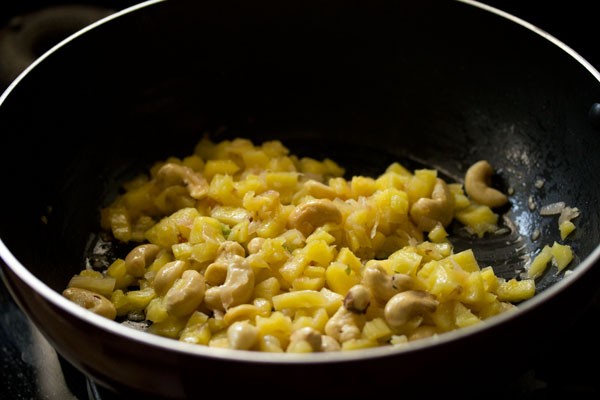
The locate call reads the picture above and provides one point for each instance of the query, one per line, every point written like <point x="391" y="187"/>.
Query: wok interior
<point x="365" y="86"/>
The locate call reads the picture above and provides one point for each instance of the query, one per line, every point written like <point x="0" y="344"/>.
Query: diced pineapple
<point x="565" y="228"/>
<point x="267" y="289"/>
<point x="219" y="167"/>
<point x="359" y="343"/>
<point x="421" y="184"/>
<point x="438" y="234"/>
<point x="539" y="263"/>
<point x="377" y="329"/>
<point x="478" y="218"/>
<point x="514" y="290"/>
<point x="340" y="277"/>
<point x="299" y="299"/>
<point x="98" y="283"/>
<point x="562" y="255"/>
<point x="464" y="316"/>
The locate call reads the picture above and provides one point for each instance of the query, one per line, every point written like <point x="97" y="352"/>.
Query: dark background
<point x="27" y="364"/>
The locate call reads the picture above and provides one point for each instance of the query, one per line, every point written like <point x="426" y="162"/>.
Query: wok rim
<point x="188" y="349"/>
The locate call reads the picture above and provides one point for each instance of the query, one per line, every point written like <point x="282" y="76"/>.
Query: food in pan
<point x="247" y="246"/>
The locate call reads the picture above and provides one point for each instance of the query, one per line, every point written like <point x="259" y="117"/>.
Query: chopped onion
<point x="553" y="209"/>
<point x="567" y="214"/>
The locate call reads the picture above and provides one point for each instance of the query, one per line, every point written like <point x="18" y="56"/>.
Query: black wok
<point x="440" y="84"/>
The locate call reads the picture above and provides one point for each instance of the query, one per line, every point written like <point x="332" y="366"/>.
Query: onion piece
<point x="567" y="214"/>
<point x="553" y="209"/>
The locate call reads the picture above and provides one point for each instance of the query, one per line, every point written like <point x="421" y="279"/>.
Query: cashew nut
<point x="308" y="216"/>
<point x="92" y="301"/>
<point x="383" y="285"/>
<point x="172" y="174"/>
<point x="242" y="335"/>
<point x="186" y="294"/>
<point x="428" y="212"/>
<point x="308" y="335"/>
<point x="167" y="275"/>
<point x="329" y="344"/>
<point x="401" y="309"/>
<point x="319" y="190"/>
<point x="358" y="299"/>
<point x="270" y="343"/>
<point x="477" y="185"/>
<point x="140" y="258"/>
<point x="216" y="272"/>
<point x="237" y="288"/>
<point x="345" y="325"/>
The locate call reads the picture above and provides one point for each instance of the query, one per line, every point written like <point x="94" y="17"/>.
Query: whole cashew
<point x="477" y="185"/>
<point x="138" y="259"/>
<point x="427" y="213"/>
<point x="358" y="299"/>
<point x="92" y="301"/>
<point x="237" y="288"/>
<point x="216" y="272"/>
<point x="319" y="190"/>
<point x="383" y="285"/>
<point x="308" y="216"/>
<point x="242" y="335"/>
<point x="172" y="174"/>
<point x="167" y="275"/>
<point x="307" y="334"/>
<point x="186" y="294"/>
<point x="345" y="325"/>
<point x="404" y="306"/>
<point x="329" y="344"/>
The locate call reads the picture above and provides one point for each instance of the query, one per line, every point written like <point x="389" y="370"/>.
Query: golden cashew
<point x="358" y="299"/>
<point x="242" y="335"/>
<point x="186" y="294"/>
<point x="237" y="288"/>
<point x="230" y="248"/>
<point x="92" y="301"/>
<point x="319" y="190"/>
<point x="308" y="216"/>
<point x="383" y="285"/>
<point x="140" y="258"/>
<point x="271" y="344"/>
<point x="308" y="335"/>
<point x="427" y="213"/>
<point x="329" y="344"/>
<point x="167" y="275"/>
<point x="477" y="185"/>
<point x="172" y="174"/>
<point x="345" y="325"/>
<point x="401" y="309"/>
<point x="216" y="272"/>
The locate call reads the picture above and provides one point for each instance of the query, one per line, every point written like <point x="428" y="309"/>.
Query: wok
<point x="440" y="84"/>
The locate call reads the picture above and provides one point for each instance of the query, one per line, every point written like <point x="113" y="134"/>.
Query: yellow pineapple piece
<point x="514" y="290"/>
<point x="562" y="255"/>
<point x="377" y="329"/>
<point x="565" y="228"/>
<point x="340" y="277"/>
<point x="539" y="263"/>
<point x="478" y="218"/>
